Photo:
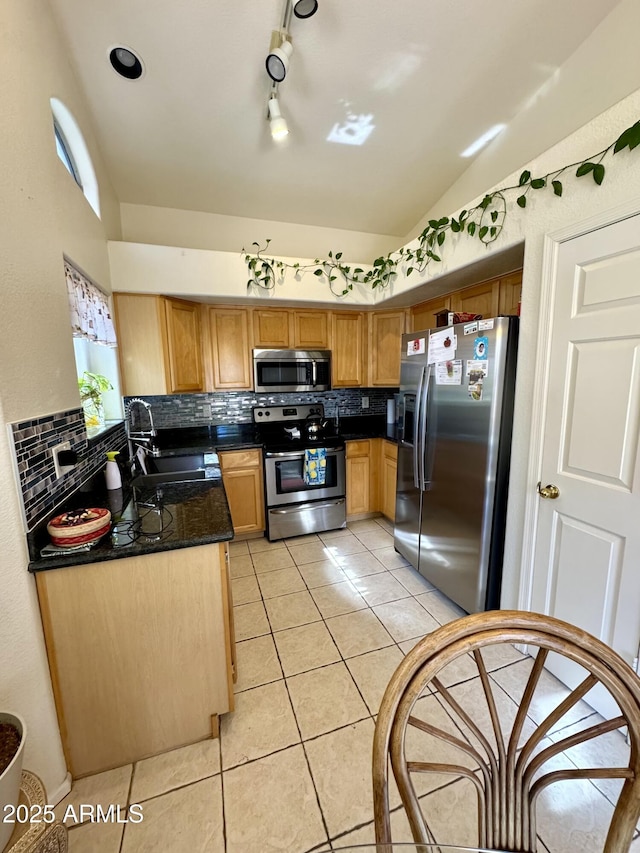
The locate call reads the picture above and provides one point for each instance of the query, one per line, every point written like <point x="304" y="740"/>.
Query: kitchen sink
<point x="144" y="481"/>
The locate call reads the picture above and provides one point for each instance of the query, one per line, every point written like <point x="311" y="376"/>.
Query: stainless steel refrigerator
<point x="455" y="411"/>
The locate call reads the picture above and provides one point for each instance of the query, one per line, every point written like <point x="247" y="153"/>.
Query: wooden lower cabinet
<point x="361" y="496"/>
<point x="140" y="651"/>
<point x="388" y="475"/>
<point x="243" y="484"/>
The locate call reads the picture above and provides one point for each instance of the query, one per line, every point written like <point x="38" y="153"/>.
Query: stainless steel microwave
<point x="291" y="370"/>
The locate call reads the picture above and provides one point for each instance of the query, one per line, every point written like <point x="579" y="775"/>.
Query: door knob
<point x="549" y="491"/>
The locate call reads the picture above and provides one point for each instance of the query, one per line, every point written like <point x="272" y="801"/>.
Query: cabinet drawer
<point x="234" y="459"/>
<point x="358" y="448"/>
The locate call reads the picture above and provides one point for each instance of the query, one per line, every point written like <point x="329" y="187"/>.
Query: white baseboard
<point x="60" y="792"/>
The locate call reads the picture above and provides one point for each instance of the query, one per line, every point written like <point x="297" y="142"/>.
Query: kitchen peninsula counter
<point x="147" y="520"/>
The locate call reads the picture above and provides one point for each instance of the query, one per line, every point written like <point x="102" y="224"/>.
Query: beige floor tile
<point x="321" y="573"/>
<point x="380" y="588"/>
<point x="312" y="552"/>
<point x="375" y="539"/>
<point x="281" y="582"/>
<point x="461" y="669"/>
<point x="302" y="540"/>
<point x="236" y="548"/>
<point x="450" y="814"/>
<point x="188" y="820"/>
<point x="325" y="699"/>
<point x="495" y="657"/>
<point x="258" y="546"/>
<point x="341" y="768"/>
<point x="363" y="525"/>
<point x="241" y="566"/>
<point x="607" y="750"/>
<point x="290" y="611"/>
<point x="359" y="565"/>
<point x="262" y="723"/>
<point x="357" y="633"/>
<point x="250" y="620"/>
<point x="407" y="645"/>
<point x="270" y="561"/>
<point x="386" y="525"/>
<point x="96" y="838"/>
<point x="372" y="672"/>
<point x="244" y="590"/>
<point x="271" y="806"/>
<point x="390" y="558"/>
<point x="411" y="580"/>
<point x="305" y="648"/>
<point x="338" y="598"/>
<point x="440" y="607"/>
<point x="163" y="773"/>
<point x="400" y="833"/>
<point x="104" y="789"/>
<point x="405" y="619"/>
<point x="257" y="663"/>
<point x="328" y="535"/>
<point x="344" y="545"/>
<point x="548" y="694"/>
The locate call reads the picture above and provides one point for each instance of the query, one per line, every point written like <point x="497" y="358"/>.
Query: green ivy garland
<point x="484" y="222"/>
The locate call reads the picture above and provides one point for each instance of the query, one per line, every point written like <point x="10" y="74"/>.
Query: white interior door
<point x="586" y="566"/>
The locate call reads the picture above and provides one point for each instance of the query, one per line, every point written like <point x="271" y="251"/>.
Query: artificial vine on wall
<point x="483" y="222"/>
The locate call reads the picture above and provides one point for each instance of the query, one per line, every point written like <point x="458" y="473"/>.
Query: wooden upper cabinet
<point x="272" y="328"/>
<point x="385" y="333"/>
<point x="228" y="347"/>
<point x="479" y="299"/>
<point x="510" y="290"/>
<point x="423" y="316"/>
<point x="348" y="356"/>
<point x="142" y="349"/>
<point x="184" y="346"/>
<point x="311" y="329"/>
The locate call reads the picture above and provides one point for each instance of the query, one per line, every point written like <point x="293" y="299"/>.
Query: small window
<point x="73" y="152"/>
<point x="64" y="153"/>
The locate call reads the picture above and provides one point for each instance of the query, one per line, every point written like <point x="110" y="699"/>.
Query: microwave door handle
<point x="314" y="373"/>
<point x="416" y="430"/>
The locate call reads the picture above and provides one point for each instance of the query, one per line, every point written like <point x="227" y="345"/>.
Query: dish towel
<point x="315" y="466"/>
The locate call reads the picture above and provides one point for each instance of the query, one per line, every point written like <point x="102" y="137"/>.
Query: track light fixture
<point x="277" y="62"/>
<point x="305" y="8"/>
<point x="278" y="59"/>
<point x="277" y="123"/>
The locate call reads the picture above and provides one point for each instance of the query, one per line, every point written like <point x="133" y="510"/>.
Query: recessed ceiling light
<point x="126" y="63"/>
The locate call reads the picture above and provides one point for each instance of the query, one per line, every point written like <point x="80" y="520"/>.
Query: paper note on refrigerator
<point x="442" y="346"/>
<point x="449" y="373"/>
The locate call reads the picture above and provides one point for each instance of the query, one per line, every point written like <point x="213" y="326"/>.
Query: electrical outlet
<point x="61" y="470"/>
<point x="365" y="402"/>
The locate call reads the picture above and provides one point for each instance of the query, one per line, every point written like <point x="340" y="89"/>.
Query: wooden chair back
<point x="504" y="761"/>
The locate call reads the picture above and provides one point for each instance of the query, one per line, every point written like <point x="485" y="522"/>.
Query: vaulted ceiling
<point x="424" y="78"/>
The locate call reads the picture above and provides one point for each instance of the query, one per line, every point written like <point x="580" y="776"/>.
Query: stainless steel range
<point x="295" y="505"/>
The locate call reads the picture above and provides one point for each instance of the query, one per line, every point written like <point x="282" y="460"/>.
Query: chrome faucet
<point x="144" y="435"/>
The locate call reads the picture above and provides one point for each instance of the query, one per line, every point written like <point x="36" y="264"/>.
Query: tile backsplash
<point x="230" y="407"/>
<point x="33" y="441"/>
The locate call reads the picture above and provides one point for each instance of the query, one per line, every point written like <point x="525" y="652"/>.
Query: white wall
<point x="194" y="229"/>
<point x="42" y="214"/>
<point x="603" y="71"/>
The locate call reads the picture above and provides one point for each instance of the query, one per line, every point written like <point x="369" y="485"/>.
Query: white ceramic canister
<point x="10" y="779"/>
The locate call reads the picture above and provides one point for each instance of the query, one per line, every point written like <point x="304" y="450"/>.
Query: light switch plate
<point x="365" y="402"/>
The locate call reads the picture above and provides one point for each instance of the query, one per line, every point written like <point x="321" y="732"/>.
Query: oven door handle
<point x="305" y="507"/>
<point x="299" y="454"/>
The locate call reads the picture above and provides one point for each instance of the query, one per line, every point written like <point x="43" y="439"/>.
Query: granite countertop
<point x="181" y="515"/>
<point x="367" y="426"/>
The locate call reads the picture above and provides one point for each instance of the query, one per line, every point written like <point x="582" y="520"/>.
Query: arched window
<point x="73" y="151"/>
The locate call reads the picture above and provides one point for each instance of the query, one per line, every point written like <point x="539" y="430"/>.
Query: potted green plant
<point x="13" y="732"/>
<point x="91" y="387"/>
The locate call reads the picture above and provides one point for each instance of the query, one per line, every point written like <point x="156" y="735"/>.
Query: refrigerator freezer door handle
<point x="417" y="445"/>
<point x="422" y="420"/>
